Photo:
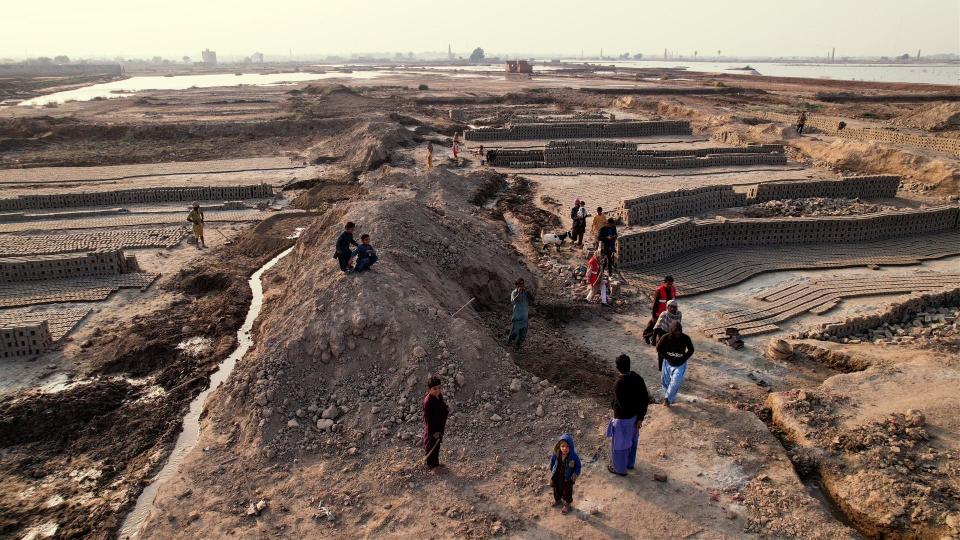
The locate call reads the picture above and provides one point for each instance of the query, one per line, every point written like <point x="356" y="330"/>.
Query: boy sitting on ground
<point x="365" y="253"/>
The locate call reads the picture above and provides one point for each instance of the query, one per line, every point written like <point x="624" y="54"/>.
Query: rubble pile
<point x="935" y="327"/>
<point x="814" y="206"/>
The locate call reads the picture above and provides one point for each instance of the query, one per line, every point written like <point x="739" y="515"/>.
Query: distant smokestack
<point x="833" y="54"/>
<point x="918" y="54"/>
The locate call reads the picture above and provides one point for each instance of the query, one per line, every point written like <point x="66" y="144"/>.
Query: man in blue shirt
<point x="365" y="253"/>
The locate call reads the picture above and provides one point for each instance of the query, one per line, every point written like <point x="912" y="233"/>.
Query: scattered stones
<point x="660" y="477"/>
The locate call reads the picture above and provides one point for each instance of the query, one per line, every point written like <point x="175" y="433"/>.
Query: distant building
<point x="518" y="66"/>
<point x="256" y="58"/>
<point x="209" y="57"/>
<point x="449" y="52"/>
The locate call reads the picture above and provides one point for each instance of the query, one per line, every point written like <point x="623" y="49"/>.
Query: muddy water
<point x="191" y="422"/>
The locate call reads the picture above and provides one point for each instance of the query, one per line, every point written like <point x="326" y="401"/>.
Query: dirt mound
<point x="877" y="439"/>
<point x="939" y="175"/>
<point x="939" y="117"/>
<point x="330" y="349"/>
<point x="362" y="148"/>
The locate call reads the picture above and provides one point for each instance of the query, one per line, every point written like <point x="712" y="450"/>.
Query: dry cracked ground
<point x="316" y="431"/>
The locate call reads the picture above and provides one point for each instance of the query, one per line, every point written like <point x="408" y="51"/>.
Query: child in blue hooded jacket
<point x="564" y="470"/>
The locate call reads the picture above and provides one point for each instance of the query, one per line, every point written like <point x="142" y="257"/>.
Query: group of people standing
<point x="629" y="409"/>
<point x="603" y="231"/>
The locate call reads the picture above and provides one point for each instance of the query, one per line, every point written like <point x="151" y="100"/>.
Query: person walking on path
<point x="676" y="348"/>
<point x="598" y="222"/>
<point x="608" y="239"/>
<point x="664" y="293"/>
<point x="435" y="412"/>
<point x="666" y="320"/>
<point x="630" y="399"/>
<point x="429" y="154"/>
<point x="594" y="273"/>
<point x="196" y="218"/>
<point x="578" y="214"/>
<point x="564" y="471"/>
<point x="343" y="253"/>
<point x="801" y="121"/>
<point x="521" y="299"/>
<point x="365" y="253"/>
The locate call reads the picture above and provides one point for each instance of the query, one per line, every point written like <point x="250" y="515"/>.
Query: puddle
<point x="191" y="422"/>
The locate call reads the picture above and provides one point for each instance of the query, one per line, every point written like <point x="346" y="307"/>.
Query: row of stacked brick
<point x="665" y="240"/>
<point x="135" y="196"/>
<point x="625" y="155"/>
<point x="851" y="187"/>
<point x="579" y="130"/>
<point x="895" y="315"/>
<point x="66" y="265"/>
<point x="24" y="340"/>
<point x="672" y="204"/>
<point x="691" y="202"/>
<point x="830" y="126"/>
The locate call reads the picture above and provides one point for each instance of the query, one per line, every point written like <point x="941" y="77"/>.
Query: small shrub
<point x="423" y="87"/>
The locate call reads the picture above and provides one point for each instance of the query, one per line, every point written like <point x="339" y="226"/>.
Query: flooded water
<point x="191" y="422"/>
<point x="908" y="73"/>
<point x="128" y="87"/>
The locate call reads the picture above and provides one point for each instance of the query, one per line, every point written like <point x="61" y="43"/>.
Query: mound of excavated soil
<point x="939" y="117"/>
<point x="363" y="147"/>
<point x="881" y="442"/>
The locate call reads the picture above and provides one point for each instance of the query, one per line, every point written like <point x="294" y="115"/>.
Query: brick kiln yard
<point x="833" y="255"/>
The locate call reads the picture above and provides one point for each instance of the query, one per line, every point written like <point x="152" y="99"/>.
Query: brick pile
<point x="577" y="130"/>
<point x="690" y="202"/>
<point x="662" y="241"/>
<point x="869" y="134"/>
<point x="137" y="196"/>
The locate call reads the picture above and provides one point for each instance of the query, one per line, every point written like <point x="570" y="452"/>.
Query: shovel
<point x="228" y="241"/>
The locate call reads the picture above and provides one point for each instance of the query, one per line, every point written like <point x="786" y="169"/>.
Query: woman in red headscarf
<point x="594" y="272"/>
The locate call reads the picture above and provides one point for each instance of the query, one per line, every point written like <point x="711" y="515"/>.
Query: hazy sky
<point x="173" y="28"/>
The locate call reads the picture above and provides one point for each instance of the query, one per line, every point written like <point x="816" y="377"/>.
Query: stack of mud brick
<point x="690" y="202"/>
<point x="895" y="315"/>
<point x="22" y="216"/>
<point x="624" y="155"/>
<point x="24" y="340"/>
<point x="684" y="202"/>
<point x="829" y="125"/>
<point x="574" y="130"/>
<point x="671" y="238"/>
<point x="852" y="187"/>
<point x="515" y="158"/>
<point x="66" y="265"/>
<point x="137" y="196"/>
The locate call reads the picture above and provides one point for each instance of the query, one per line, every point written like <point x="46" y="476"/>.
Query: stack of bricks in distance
<point x="68" y="265"/>
<point x="136" y="196"/>
<point x="625" y="155"/>
<point x="574" y="130"/>
<point x="659" y="242"/>
<point x="691" y="202"/>
<point x="830" y="125"/>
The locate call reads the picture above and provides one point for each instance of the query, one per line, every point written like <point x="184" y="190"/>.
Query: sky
<point x="175" y="28"/>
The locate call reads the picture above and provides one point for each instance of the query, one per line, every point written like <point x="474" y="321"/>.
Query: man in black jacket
<point x="629" y="408"/>
<point x="343" y="252"/>
<point x="676" y="348"/>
